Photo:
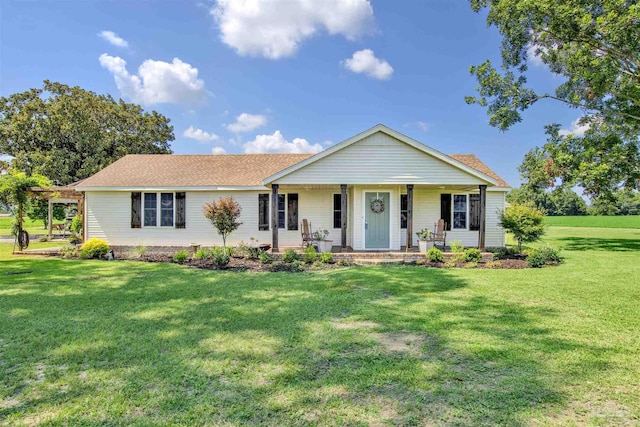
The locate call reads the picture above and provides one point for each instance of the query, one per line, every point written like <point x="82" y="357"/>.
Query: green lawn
<point x="32" y="227"/>
<point x="632" y="221"/>
<point x="126" y="343"/>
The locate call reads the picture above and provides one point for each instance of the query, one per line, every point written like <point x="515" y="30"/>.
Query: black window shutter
<point x="474" y="212"/>
<point x="445" y="209"/>
<point x="136" y="209"/>
<point x="181" y="216"/>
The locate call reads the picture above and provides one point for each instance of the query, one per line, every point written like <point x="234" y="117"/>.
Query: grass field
<point x="126" y="343"/>
<point x="632" y="221"/>
<point x="32" y="227"/>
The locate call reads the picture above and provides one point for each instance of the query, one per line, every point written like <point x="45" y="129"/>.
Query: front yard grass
<point x="129" y="343"/>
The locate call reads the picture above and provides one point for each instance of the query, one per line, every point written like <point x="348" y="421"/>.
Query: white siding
<point x="109" y="217"/>
<point x="379" y="159"/>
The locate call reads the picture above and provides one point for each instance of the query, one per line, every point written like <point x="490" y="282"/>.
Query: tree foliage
<point x="39" y="211"/>
<point x="68" y="133"/>
<point x="15" y="191"/>
<point x="526" y="223"/>
<point x="594" y="47"/>
<point x="223" y="215"/>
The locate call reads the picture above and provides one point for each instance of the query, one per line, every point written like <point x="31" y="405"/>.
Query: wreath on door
<point x="377" y="205"/>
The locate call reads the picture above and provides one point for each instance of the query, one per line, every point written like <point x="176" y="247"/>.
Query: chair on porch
<point x="306" y="233"/>
<point x="439" y="233"/>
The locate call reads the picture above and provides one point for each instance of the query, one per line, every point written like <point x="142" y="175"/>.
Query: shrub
<point x="493" y="264"/>
<point x="451" y="263"/>
<point x="43" y="239"/>
<point x="181" y="256"/>
<point x="290" y="255"/>
<point x="201" y="254"/>
<point x="310" y="255"/>
<point x="326" y="257"/>
<point x="265" y="258"/>
<point x="456" y="246"/>
<point x="343" y="263"/>
<point x="94" y="248"/>
<point x="279" y="266"/>
<point x="318" y="264"/>
<point x="543" y="256"/>
<point x="219" y="256"/>
<point x="297" y="265"/>
<point x="69" y="251"/>
<point x="471" y="264"/>
<point x="140" y="251"/>
<point x="76" y="224"/>
<point x="526" y="223"/>
<point x="503" y="253"/>
<point x="74" y="239"/>
<point x="435" y="255"/>
<point x="472" y="255"/>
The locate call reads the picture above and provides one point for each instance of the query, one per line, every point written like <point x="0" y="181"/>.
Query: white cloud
<point x="246" y="122"/>
<point x="364" y="61"/>
<point x="423" y="126"/>
<point x="276" y="29"/>
<point x="277" y="144"/>
<point x="534" y="56"/>
<point x="157" y="81"/>
<point x="218" y="150"/>
<point x="113" y="38"/>
<point x="200" y="135"/>
<point x="576" y="128"/>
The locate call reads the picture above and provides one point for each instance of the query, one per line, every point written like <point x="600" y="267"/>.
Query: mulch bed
<point x="241" y="264"/>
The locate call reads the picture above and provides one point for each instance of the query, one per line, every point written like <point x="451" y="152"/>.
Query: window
<point x="292" y="211"/>
<point x="150" y="209"/>
<point x="459" y="211"/>
<point x="160" y="208"/>
<point x="287" y="211"/>
<point x="337" y="211"/>
<point x="404" y="204"/>
<point x="263" y="211"/>
<point x="166" y="209"/>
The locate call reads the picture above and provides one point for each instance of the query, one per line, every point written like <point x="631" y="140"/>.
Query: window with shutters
<point x="337" y="211"/>
<point x="161" y="209"/>
<point x="287" y="211"/>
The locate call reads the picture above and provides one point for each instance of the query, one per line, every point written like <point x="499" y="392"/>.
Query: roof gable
<point x="405" y="153"/>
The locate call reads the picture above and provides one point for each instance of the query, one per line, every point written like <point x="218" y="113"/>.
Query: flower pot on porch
<point x="422" y="246"/>
<point x="324" y="245"/>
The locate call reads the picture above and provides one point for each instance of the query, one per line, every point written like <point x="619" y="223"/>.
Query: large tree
<point x="68" y="133"/>
<point x="594" y="46"/>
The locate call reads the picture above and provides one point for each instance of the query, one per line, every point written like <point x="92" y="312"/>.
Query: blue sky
<point x="290" y="75"/>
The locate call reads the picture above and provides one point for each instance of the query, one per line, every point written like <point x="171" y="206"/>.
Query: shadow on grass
<point x="156" y="344"/>
<point x="599" y="244"/>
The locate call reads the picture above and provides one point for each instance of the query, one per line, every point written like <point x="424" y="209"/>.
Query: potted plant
<point x="320" y="240"/>
<point x="423" y="237"/>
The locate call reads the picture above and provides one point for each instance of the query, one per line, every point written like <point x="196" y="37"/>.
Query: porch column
<point x="50" y="218"/>
<point x="274" y="218"/>
<point x="343" y="217"/>
<point x="483" y="210"/>
<point x="409" y="216"/>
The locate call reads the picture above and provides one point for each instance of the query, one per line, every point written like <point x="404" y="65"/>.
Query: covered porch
<point x="379" y="218"/>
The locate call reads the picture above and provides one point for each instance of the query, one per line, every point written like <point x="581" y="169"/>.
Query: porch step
<point x="377" y="261"/>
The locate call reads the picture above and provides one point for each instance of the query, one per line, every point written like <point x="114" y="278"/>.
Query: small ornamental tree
<point x="526" y="223"/>
<point x="223" y="215"/>
<point x="15" y="191"/>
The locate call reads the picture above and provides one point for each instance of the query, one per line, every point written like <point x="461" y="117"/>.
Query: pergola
<point x="61" y="195"/>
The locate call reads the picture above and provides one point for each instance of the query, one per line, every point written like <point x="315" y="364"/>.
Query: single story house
<point x="372" y="191"/>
